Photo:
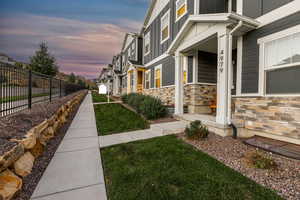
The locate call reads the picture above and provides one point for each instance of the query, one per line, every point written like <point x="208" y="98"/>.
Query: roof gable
<point x="155" y="8"/>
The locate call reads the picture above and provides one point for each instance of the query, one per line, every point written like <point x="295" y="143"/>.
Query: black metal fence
<point x="21" y="88"/>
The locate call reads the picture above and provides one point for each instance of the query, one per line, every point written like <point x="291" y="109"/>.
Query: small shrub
<point x="196" y="130"/>
<point x="260" y="160"/>
<point x="152" y="108"/>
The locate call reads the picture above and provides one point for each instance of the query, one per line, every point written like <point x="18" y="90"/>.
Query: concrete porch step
<point x="275" y="146"/>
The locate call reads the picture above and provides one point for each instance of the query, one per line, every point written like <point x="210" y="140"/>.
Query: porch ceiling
<point x="229" y="20"/>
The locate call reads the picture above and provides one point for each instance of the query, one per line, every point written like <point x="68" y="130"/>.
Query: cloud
<point x="80" y="47"/>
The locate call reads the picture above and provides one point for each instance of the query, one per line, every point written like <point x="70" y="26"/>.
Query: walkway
<point x="156" y="130"/>
<point x="75" y="172"/>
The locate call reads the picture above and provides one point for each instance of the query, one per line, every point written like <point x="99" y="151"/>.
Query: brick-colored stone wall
<point x="165" y="94"/>
<point x="197" y="97"/>
<point x="273" y="115"/>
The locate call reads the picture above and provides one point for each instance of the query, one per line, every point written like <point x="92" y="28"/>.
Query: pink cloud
<point x="78" y="46"/>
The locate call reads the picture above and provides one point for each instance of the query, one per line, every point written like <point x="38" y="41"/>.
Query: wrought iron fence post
<point x="50" y="89"/>
<point x="29" y="89"/>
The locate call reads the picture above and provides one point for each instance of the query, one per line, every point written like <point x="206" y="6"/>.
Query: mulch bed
<point x="30" y="182"/>
<point x="285" y="179"/>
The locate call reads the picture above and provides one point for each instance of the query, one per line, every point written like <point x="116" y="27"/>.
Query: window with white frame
<point x="281" y="62"/>
<point x="181" y="8"/>
<point x="165" y="27"/>
<point x="147" y="79"/>
<point x="129" y="53"/>
<point x="147" y="43"/>
<point x="132" y="48"/>
<point x="157" y="77"/>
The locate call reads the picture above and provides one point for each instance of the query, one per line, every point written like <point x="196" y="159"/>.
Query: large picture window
<point x="165" y="27"/>
<point x="158" y="77"/>
<point x="147" y="43"/>
<point x="281" y="62"/>
<point x="181" y="8"/>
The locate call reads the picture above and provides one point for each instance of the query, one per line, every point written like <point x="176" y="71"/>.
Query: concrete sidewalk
<point x="75" y="172"/>
<point x="156" y="130"/>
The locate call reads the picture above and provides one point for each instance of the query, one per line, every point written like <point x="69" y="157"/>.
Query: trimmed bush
<point x="196" y="130"/>
<point x="260" y="160"/>
<point x="152" y="108"/>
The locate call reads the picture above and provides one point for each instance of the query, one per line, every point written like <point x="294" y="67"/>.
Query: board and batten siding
<point x="207" y="67"/>
<point x="257" y="8"/>
<point x="250" y="63"/>
<point x="156" y="48"/>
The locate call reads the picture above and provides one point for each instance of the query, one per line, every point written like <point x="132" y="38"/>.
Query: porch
<point x="135" y="79"/>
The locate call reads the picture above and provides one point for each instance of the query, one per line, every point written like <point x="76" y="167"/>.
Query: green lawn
<point x="99" y="98"/>
<point x="114" y="118"/>
<point x="168" y="169"/>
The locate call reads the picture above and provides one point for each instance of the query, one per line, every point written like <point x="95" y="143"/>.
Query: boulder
<point x="29" y="139"/>
<point x="9" y="157"/>
<point x="46" y="135"/>
<point x="41" y="127"/>
<point x="24" y="165"/>
<point x="9" y="185"/>
<point x="38" y="149"/>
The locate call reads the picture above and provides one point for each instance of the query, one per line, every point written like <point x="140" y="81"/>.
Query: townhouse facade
<point x="225" y="62"/>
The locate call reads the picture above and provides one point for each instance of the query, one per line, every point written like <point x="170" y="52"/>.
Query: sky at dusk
<point x="82" y="34"/>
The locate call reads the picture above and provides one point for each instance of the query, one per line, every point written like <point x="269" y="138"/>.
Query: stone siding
<point x="196" y="97"/>
<point x="278" y="116"/>
<point x="165" y="94"/>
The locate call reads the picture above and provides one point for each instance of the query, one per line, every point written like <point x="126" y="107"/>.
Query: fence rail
<point x="21" y="88"/>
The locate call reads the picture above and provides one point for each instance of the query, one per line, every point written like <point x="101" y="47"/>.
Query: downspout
<point x="230" y="78"/>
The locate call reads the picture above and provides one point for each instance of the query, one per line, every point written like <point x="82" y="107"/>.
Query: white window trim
<point x="146" y="53"/>
<point x="161" y="28"/>
<point x="156" y="68"/>
<point x="186" y="11"/>
<point x="263" y="69"/>
<point x="148" y="72"/>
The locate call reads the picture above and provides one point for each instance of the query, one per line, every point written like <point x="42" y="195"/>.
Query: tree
<point x="43" y="62"/>
<point x="72" y="78"/>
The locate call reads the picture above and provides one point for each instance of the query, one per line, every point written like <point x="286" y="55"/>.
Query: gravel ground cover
<point x="285" y="179"/>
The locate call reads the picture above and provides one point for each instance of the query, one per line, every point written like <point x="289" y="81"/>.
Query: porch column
<point x="178" y="83"/>
<point x="222" y="84"/>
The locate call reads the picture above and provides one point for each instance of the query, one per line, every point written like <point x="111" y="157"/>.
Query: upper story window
<point x="147" y="43"/>
<point x="147" y="79"/>
<point x="181" y="8"/>
<point x="280" y="62"/>
<point x="129" y="53"/>
<point x="165" y="27"/>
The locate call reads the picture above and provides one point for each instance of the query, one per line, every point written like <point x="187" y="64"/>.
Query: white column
<point x="178" y="84"/>
<point x="222" y="85"/>
<point x="195" y="68"/>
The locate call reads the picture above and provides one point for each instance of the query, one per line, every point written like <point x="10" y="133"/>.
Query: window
<point x="129" y="53"/>
<point x="157" y="77"/>
<point x="185" y="74"/>
<point x="165" y="27"/>
<point x="147" y="43"/>
<point x="280" y="60"/>
<point x="181" y="8"/>
<point x="147" y="79"/>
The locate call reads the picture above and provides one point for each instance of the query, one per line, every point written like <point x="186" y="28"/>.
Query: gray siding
<point x="250" y="68"/>
<point x="213" y="6"/>
<point x="157" y="48"/>
<point x="168" y="71"/>
<point x="207" y="67"/>
<point x="256" y="8"/>
<point x="190" y="69"/>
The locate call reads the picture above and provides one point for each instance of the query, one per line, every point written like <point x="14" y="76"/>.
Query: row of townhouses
<point x="225" y="62"/>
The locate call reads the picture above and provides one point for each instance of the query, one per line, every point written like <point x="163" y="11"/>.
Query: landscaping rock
<point x="24" y="165"/>
<point x="9" y="157"/>
<point x="9" y="185"/>
<point x="38" y="149"/>
<point x="41" y="127"/>
<point x="29" y="139"/>
<point x="46" y="135"/>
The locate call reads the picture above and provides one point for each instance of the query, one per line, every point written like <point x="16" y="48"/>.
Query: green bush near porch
<point x="150" y="107"/>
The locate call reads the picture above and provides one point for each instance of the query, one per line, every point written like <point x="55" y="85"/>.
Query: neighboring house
<point x="106" y="77"/>
<point x="117" y="75"/>
<point x="6" y="59"/>
<point x="240" y="57"/>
